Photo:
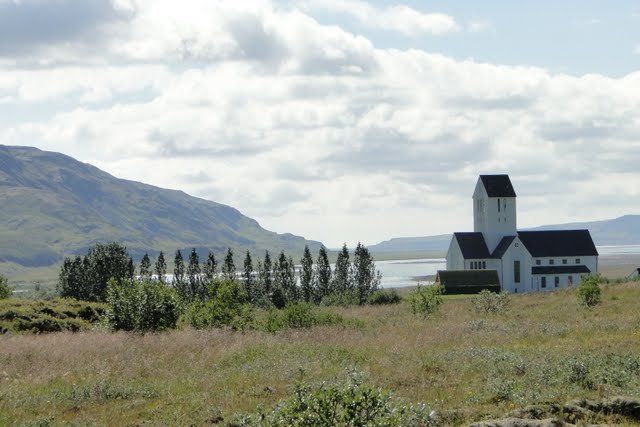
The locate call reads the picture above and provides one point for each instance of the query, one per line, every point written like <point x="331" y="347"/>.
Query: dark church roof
<point x="561" y="269"/>
<point x="498" y="185"/>
<point x="472" y="245"/>
<point x="553" y="243"/>
<point x="556" y="243"/>
<point x="502" y="247"/>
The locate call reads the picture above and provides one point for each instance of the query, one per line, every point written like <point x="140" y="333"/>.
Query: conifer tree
<point x="210" y="267"/>
<point x="229" y="268"/>
<point x="322" y="277"/>
<point x="263" y="285"/>
<point x="161" y="267"/>
<point x="193" y="274"/>
<point x="145" y="267"/>
<point x="306" y="275"/>
<point x="248" y="277"/>
<point x="365" y="277"/>
<point x="341" y="279"/>
<point x="178" y="276"/>
<point x="131" y="269"/>
<point x="284" y="278"/>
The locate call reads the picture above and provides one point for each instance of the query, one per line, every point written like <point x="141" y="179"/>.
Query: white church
<point x="525" y="261"/>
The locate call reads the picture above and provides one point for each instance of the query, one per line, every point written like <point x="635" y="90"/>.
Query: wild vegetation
<point x="55" y="315"/>
<point x="533" y="358"/>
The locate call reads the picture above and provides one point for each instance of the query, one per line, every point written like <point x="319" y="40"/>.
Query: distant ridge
<point x="624" y="230"/>
<point x="52" y="205"/>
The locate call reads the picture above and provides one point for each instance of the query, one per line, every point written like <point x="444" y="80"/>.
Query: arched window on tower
<point x="498" y="205"/>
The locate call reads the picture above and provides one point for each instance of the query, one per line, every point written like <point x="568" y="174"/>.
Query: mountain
<point x="624" y="230"/>
<point x="52" y="205"/>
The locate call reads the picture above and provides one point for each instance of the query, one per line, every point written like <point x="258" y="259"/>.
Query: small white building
<point x="526" y="261"/>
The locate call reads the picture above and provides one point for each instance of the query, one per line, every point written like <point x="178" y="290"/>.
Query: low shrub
<point x="42" y="316"/>
<point x="142" y="305"/>
<point x="425" y="300"/>
<point x="383" y="297"/>
<point x="297" y="316"/>
<point x="490" y="302"/>
<point x="341" y="299"/>
<point x="589" y="292"/>
<point x="350" y="404"/>
<point x="5" y="290"/>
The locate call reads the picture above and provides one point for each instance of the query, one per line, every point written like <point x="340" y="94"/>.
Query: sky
<point x="338" y="120"/>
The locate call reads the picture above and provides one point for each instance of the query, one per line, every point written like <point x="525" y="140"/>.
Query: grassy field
<point x="471" y="366"/>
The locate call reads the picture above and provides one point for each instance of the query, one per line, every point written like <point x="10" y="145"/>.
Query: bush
<point x="227" y="305"/>
<point x="589" y="292"/>
<point x="425" y="300"/>
<point x="5" y="290"/>
<point x="142" y="305"/>
<point x="341" y="299"/>
<point x="353" y="404"/>
<point x="299" y="315"/>
<point x="383" y="297"/>
<point x="490" y="302"/>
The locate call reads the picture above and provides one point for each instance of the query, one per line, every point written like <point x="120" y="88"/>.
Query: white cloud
<point x="314" y="130"/>
<point x="637" y="49"/>
<point x="400" y="18"/>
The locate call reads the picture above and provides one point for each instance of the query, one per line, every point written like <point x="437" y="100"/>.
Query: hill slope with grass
<point x="53" y="205"/>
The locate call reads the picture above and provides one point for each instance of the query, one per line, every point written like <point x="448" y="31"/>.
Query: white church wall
<point x="455" y="260"/>
<point x="516" y="252"/>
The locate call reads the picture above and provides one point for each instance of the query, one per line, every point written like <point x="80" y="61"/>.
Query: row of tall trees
<point x="266" y="282"/>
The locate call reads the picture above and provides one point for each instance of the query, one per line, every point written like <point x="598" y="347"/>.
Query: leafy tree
<point x="142" y="305"/>
<point x="229" y="268"/>
<point x="227" y="303"/>
<point x="341" y="279"/>
<point x="5" y="290"/>
<point x="589" y="292"/>
<point x="196" y="288"/>
<point x="161" y="267"/>
<point x="179" y="282"/>
<point x="145" y="267"/>
<point x="248" y="277"/>
<point x="72" y="281"/>
<point x="86" y="277"/>
<point x="365" y="277"/>
<point x="210" y="266"/>
<point x="322" y="277"/>
<point x="306" y="275"/>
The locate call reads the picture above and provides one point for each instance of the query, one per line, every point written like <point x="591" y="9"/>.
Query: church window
<point x="570" y="280"/>
<point x="551" y="262"/>
<point x="516" y="271"/>
<point x="498" y="205"/>
<point x="484" y="265"/>
<point x="538" y="262"/>
<point x="564" y="261"/>
<point x="577" y="260"/>
<point x="556" y="281"/>
<point x="543" y="282"/>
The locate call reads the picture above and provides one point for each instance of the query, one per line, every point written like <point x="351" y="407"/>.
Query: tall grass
<point x="545" y="348"/>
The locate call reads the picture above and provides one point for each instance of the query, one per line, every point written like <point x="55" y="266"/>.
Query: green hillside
<point x="52" y="205"/>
